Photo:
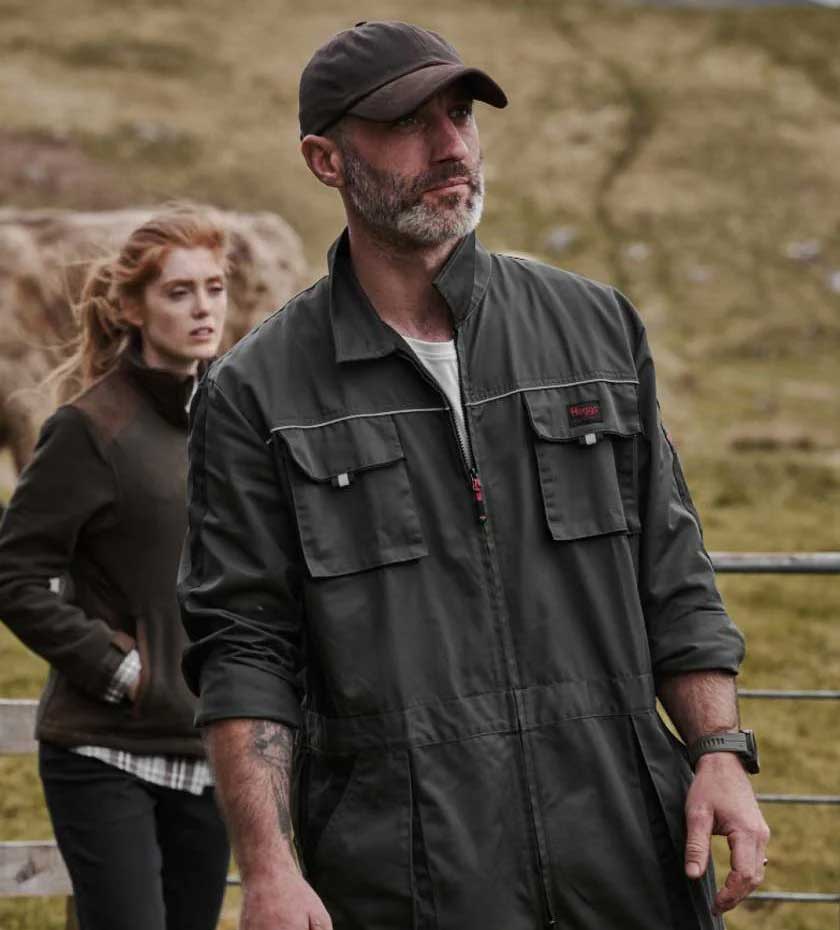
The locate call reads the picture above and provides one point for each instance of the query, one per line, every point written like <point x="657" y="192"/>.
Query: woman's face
<point x="183" y="311"/>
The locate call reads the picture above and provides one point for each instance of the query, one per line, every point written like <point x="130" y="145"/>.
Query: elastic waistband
<point x="481" y="715"/>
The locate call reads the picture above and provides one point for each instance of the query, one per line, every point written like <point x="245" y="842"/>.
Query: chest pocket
<point x="352" y="494"/>
<point x="586" y="443"/>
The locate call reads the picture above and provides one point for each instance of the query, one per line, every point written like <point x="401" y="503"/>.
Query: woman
<point x="89" y="549"/>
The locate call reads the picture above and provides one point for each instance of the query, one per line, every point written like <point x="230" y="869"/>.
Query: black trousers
<point x="141" y="857"/>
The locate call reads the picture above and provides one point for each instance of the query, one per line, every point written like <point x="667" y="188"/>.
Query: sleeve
<point x="240" y="576"/>
<point x="66" y="491"/>
<point x="688" y="626"/>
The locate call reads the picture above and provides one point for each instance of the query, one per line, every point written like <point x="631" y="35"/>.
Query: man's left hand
<point x="721" y="802"/>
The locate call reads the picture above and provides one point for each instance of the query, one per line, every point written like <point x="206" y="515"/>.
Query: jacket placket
<point x="501" y="617"/>
<point x="505" y="636"/>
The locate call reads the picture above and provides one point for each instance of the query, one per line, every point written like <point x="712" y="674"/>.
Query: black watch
<point x="742" y="743"/>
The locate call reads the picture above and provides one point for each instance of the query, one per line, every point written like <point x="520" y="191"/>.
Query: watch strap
<point x="741" y="743"/>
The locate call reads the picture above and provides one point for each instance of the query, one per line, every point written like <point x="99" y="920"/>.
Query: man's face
<point x="416" y="181"/>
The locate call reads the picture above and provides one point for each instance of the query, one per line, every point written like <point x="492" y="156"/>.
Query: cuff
<point x="126" y="675"/>
<point x="232" y="690"/>
<point x="696" y="641"/>
<point x="118" y="647"/>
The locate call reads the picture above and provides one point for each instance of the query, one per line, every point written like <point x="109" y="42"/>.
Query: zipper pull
<point x="478" y="495"/>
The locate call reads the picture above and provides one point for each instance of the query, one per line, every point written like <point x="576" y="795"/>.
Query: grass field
<point x="690" y="157"/>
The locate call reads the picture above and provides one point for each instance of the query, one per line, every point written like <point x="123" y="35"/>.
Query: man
<point x="441" y="541"/>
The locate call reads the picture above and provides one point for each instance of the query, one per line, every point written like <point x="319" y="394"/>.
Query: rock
<point x="637" y="251"/>
<point x="806" y="250"/>
<point x="699" y="274"/>
<point x="560" y="238"/>
<point x="44" y="255"/>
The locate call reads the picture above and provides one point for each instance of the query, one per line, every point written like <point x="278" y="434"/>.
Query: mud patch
<point x="37" y="168"/>
<point x="126" y="53"/>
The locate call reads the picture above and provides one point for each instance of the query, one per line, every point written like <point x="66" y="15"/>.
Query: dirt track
<point x="733" y="4"/>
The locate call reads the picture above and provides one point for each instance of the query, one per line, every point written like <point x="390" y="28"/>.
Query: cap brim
<point x="405" y="94"/>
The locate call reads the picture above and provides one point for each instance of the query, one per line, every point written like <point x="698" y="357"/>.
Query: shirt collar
<point x="358" y="330"/>
<point x="170" y="393"/>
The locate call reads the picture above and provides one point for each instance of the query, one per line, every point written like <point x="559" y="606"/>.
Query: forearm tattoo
<point x="272" y="744"/>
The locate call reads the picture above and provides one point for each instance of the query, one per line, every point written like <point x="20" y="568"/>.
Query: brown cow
<point x="44" y="255"/>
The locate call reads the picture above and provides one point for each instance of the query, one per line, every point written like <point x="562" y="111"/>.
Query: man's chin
<point x="451" y="217"/>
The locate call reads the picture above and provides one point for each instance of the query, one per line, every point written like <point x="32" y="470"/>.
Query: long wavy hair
<point x="103" y="331"/>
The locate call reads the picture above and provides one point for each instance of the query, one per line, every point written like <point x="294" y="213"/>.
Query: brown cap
<point x="382" y="71"/>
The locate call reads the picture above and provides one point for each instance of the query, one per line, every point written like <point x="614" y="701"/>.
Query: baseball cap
<point x="382" y="71"/>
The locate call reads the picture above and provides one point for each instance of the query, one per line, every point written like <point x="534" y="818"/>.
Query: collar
<point x="169" y="393"/>
<point x="358" y="330"/>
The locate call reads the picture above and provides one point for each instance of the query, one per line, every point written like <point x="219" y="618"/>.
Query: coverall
<point x="470" y="655"/>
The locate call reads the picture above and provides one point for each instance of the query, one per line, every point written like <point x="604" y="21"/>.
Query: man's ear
<point x="324" y="160"/>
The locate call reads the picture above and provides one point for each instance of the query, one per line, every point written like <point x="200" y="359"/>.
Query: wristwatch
<point x="742" y="743"/>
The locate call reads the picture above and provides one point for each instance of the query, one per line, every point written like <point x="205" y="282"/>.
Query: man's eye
<point x="216" y="288"/>
<point x="178" y="293"/>
<point x="463" y="112"/>
<point x="406" y="122"/>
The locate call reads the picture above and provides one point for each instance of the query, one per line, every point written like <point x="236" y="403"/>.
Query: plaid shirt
<point x="181" y="773"/>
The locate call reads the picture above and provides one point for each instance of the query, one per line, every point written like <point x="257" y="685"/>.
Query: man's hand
<point x="286" y="902"/>
<point x="721" y="799"/>
<point x="721" y="802"/>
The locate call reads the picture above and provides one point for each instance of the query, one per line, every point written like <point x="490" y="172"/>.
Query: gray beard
<point x="395" y="210"/>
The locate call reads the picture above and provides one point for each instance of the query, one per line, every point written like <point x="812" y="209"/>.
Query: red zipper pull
<point x="478" y="495"/>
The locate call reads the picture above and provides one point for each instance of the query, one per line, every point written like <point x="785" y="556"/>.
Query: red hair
<point x="105" y="333"/>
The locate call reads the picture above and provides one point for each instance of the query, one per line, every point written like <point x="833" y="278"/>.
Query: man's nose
<point x="449" y="144"/>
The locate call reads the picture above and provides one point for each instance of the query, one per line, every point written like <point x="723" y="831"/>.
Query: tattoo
<point x="272" y="744"/>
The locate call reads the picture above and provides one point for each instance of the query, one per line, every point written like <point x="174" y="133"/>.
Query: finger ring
<point x="765" y="862"/>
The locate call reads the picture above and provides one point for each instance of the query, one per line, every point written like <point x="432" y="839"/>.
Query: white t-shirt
<point x="441" y="361"/>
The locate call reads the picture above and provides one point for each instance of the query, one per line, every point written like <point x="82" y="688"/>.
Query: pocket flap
<point x="558" y="414"/>
<point x="343" y="447"/>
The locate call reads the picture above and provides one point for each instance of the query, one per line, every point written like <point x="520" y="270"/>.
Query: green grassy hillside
<point x="689" y="157"/>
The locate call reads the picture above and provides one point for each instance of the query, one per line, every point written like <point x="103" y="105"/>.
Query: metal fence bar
<point x="805" y="896"/>
<point x="774" y="694"/>
<point x="799" y="798"/>
<point x="810" y="563"/>
<point x="782" y="563"/>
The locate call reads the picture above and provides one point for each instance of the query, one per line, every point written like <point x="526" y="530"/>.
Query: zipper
<point x="508" y="648"/>
<point x="468" y="458"/>
<point x="477" y="490"/>
<point x="473" y="478"/>
<point x="478" y="495"/>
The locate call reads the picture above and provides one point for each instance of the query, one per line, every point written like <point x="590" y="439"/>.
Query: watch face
<point x="750" y="757"/>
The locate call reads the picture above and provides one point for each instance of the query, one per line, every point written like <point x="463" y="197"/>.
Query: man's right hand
<point x="252" y="762"/>
<point x="283" y="903"/>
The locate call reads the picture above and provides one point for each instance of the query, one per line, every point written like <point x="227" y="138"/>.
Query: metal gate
<point x="827" y="563"/>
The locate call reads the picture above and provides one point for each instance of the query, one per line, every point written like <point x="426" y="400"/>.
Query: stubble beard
<point x="394" y="208"/>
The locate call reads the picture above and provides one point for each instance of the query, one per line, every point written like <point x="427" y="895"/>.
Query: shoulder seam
<point x="255" y="329"/>
<point x="99" y="445"/>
